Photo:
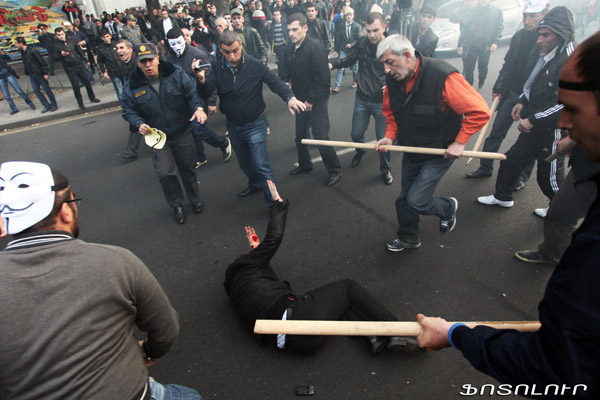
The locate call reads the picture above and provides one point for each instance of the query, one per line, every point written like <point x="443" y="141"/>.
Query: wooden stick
<point x="369" y="328"/>
<point x="406" y="149"/>
<point x="484" y="129"/>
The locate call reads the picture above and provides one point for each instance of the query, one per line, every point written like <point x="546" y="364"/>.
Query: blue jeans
<point x="15" y="84"/>
<point x="249" y="142"/>
<point x="331" y="29"/>
<point x="36" y="82"/>
<point x="340" y="73"/>
<point x="118" y="83"/>
<point x="201" y="133"/>
<point x="363" y="109"/>
<point x="419" y="181"/>
<point x="171" y="392"/>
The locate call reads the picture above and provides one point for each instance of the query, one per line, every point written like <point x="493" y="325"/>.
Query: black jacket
<point x="5" y="69"/>
<point x="185" y="62"/>
<point x="109" y="61"/>
<point x="74" y="59"/>
<point x="426" y="43"/>
<point x="34" y="63"/>
<point x="371" y="72"/>
<point x="47" y="41"/>
<point x="317" y="29"/>
<point x="169" y="110"/>
<point x="541" y="108"/>
<point x="566" y="349"/>
<point x="511" y="64"/>
<point x="341" y="39"/>
<point x="161" y="29"/>
<point x="240" y="89"/>
<point x="253" y="44"/>
<point x="468" y="26"/>
<point x="250" y="281"/>
<point x="307" y="69"/>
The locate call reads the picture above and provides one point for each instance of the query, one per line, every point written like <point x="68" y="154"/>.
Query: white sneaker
<point x="493" y="201"/>
<point x="541" y="212"/>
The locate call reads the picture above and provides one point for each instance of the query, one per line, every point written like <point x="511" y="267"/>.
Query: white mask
<point x="26" y="194"/>
<point x="177" y="45"/>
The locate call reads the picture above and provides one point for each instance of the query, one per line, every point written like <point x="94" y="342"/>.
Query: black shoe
<point x="477" y="174"/>
<point x="531" y="256"/>
<point x="179" y="215"/>
<point x="300" y="170"/>
<point x="334" y="178"/>
<point x="377" y="343"/>
<point x="447" y="225"/>
<point x="198" y="207"/>
<point x="403" y="344"/>
<point x="81" y="107"/>
<point x="226" y="150"/>
<point x="45" y="110"/>
<point x="249" y="190"/>
<point x="33" y="107"/>
<point x="13" y="112"/>
<point x="54" y="108"/>
<point x="519" y="186"/>
<point x="95" y="100"/>
<point x="128" y="156"/>
<point x="388" y="178"/>
<point x="399" y="245"/>
<point x="356" y="159"/>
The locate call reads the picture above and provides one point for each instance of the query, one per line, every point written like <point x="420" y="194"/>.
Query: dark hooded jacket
<point x="170" y="110"/>
<point x="542" y="108"/>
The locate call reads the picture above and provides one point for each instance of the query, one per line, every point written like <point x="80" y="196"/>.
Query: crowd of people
<point x="168" y="77"/>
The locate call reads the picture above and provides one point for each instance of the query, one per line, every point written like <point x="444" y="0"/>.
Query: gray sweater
<point x="67" y="316"/>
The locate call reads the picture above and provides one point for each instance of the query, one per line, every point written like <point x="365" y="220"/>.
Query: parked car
<point x="448" y="32"/>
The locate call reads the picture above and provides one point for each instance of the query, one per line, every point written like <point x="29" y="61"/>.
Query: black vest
<point x="419" y="116"/>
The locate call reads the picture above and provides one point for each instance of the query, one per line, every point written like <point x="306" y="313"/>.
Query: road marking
<point x="61" y="121"/>
<point x="339" y="153"/>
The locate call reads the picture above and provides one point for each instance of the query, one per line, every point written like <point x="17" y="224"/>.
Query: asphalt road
<point x="332" y="233"/>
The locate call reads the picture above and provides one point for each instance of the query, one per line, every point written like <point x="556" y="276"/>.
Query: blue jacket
<point x="240" y="89"/>
<point x="171" y="109"/>
<point x="566" y="349"/>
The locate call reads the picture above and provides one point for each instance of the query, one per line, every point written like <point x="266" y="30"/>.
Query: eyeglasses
<point x="76" y="200"/>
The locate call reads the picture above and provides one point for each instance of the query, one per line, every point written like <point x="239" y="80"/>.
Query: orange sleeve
<point x="462" y="98"/>
<point x="391" y="131"/>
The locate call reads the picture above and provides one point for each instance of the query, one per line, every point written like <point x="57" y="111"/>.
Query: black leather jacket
<point x="253" y="44"/>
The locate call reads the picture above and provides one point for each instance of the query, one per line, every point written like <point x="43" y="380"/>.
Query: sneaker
<point x="387" y="177"/>
<point x="335" y="90"/>
<point x="200" y="163"/>
<point x="356" y="159"/>
<point x="447" y="225"/>
<point x="403" y="344"/>
<point x="226" y="151"/>
<point x="520" y="185"/>
<point x="491" y="200"/>
<point x="530" y="256"/>
<point x="398" y="245"/>
<point x="541" y="212"/>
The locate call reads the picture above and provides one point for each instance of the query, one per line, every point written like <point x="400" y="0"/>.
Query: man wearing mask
<point x="184" y="55"/>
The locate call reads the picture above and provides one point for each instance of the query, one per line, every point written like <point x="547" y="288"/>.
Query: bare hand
<point x="200" y="116"/>
<point x="434" y="333"/>
<point x="498" y="95"/>
<point x="46" y="77"/>
<point x="348" y="46"/>
<point x="252" y="237"/>
<point x="64" y="53"/>
<point x="525" y="126"/>
<point x="2" y="228"/>
<point x="148" y="361"/>
<point x="330" y="65"/>
<point x="308" y="106"/>
<point x="565" y="146"/>
<point x="493" y="47"/>
<point x="382" y="142"/>
<point x="105" y="74"/>
<point x="296" y="106"/>
<point x="145" y="129"/>
<point x="212" y="110"/>
<point x="454" y="151"/>
<point x="516" y="112"/>
<point x="459" y="50"/>
<point x="273" y="189"/>
<point x="201" y="75"/>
